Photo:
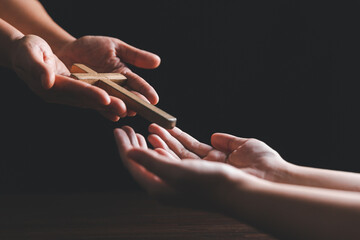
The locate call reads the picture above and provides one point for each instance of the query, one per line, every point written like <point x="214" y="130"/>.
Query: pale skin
<point x="246" y="179"/>
<point x="103" y="54"/>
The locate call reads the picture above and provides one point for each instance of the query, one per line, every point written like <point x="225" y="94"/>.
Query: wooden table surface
<point x="131" y="215"/>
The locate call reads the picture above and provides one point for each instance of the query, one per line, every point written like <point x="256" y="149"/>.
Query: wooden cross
<point x="111" y="83"/>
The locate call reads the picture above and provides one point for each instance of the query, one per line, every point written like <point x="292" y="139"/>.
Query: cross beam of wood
<point x="111" y="83"/>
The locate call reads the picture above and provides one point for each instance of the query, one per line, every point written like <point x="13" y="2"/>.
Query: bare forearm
<point x="297" y="212"/>
<point x="322" y="178"/>
<point x="30" y="17"/>
<point x="8" y="34"/>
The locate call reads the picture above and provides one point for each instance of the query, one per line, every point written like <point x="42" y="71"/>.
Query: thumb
<point x="226" y="142"/>
<point x="47" y="75"/>
<point x="47" y="68"/>
<point x="43" y="68"/>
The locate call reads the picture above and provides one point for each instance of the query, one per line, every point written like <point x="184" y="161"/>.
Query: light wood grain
<point x="93" y="78"/>
<point x="148" y="111"/>
<point x="81" y="68"/>
<point x="111" y="83"/>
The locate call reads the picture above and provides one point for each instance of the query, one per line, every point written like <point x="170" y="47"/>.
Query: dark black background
<point x="285" y="72"/>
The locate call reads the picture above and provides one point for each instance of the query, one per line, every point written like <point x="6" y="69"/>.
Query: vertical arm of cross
<point x="111" y="82"/>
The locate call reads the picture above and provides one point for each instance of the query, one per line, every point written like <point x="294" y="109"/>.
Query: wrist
<point x="237" y="187"/>
<point x="243" y="197"/>
<point x="63" y="53"/>
<point x="278" y="170"/>
<point x="286" y="173"/>
<point x="9" y="37"/>
<point x="58" y="45"/>
<point x="13" y="48"/>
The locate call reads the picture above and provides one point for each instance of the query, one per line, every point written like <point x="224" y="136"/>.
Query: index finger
<point x="137" y="83"/>
<point x="174" y="144"/>
<point x="123" y="143"/>
<point x="76" y="93"/>
<point x="190" y="143"/>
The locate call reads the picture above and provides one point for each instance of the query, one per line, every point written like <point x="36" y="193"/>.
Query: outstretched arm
<point x="285" y="211"/>
<point x="252" y="156"/>
<point x="273" y="167"/>
<point x="30" y="17"/>
<point x="323" y="178"/>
